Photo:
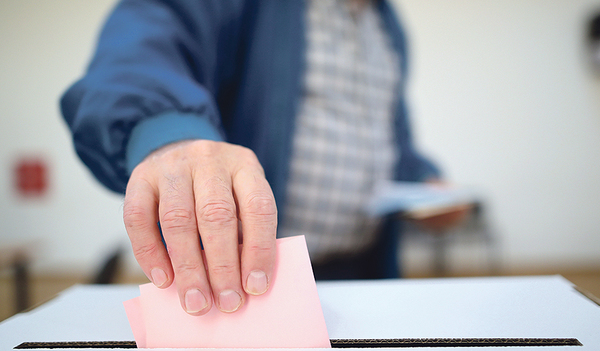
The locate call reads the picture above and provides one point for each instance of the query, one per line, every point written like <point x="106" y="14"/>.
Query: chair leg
<point x="21" y="277"/>
<point x="439" y="254"/>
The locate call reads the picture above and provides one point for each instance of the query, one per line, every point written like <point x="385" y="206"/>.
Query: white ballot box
<point x="496" y="313"/>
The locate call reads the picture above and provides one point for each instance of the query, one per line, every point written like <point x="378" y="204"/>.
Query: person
<point x="219" y="119"/>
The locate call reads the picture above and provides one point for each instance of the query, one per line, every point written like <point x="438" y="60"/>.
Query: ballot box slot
<point x="343" y="343"/>
<point x="453" y="342"/>
<point x="78" y="345"/>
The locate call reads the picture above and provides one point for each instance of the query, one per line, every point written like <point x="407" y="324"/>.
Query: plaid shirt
<point x="343" y="141"/>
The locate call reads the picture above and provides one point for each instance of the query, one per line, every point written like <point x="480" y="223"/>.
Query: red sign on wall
<point x="31" y="177"/>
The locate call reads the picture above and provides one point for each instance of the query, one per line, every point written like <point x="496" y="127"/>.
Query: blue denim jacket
<point x="227" y="70"/>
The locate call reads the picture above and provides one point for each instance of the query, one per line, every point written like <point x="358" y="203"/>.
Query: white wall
<point x="503" y="97"/>
<point x="500" y="94"/>
<point x="45" y="47"/>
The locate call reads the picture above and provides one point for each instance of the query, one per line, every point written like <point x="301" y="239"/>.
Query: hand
<point x="203" y="189"/>
<point x="440" y="222"/>
<point x="446" y="218"/>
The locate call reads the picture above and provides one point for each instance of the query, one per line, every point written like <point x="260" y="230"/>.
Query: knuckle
<point x="218" y="212"/>
<point x="205" y="147"/>
<point x="135" y="217"/>
<point x="247" y="153"/>
<point x="146" y="250"/>
<point x="260" y="247"/>
<point x="177" y="218"/>
<point x="249" y="159"/>
<point x="223" y="269"/>
<point x="185" y="267"/>
<point x="261" y="205"/>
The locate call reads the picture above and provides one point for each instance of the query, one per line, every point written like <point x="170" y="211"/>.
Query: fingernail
<point x="229" y="301"/>
<point x="256" y="283"/>
<point x="159" y="277"/>
<point x="195" y="301"/>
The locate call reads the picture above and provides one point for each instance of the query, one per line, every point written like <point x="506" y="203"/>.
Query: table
<point x="494" y="308"/>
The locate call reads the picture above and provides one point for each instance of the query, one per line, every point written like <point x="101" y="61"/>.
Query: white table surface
<point x="500" y="307"/>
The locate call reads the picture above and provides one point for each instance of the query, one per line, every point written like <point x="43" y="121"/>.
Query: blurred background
<point x="503" y="94"/>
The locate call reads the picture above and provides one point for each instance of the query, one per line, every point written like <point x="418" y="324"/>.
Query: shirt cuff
<point x="152" y="133"/>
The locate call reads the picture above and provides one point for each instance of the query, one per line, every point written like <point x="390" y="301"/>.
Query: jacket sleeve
<point x="151" y="82"/>
<point x="413" y="166"/>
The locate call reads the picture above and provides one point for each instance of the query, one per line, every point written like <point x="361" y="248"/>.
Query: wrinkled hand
<point x="203" y="189"/>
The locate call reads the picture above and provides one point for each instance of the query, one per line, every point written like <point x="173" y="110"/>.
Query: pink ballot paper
<point x="288" y="315"/>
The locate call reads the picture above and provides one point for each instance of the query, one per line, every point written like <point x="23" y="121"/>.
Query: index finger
<point x="140" y="215"/>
